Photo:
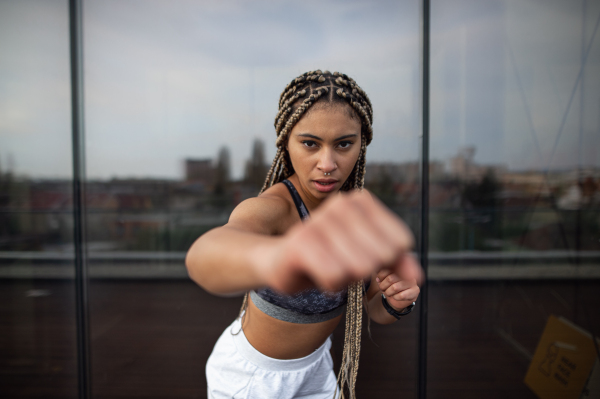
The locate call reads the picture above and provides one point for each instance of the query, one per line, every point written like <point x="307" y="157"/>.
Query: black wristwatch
<point x="393" y="311"/>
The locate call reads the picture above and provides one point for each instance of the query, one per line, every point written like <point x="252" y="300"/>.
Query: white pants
<point x="236" y="370"/>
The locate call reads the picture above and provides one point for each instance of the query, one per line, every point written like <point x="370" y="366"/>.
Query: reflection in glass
<point x="37" y="309"/>
<point x="180" y="102"/>
<point x="515" y="187"/>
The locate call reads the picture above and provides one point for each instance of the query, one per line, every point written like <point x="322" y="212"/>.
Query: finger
<point x="399" y="287"/>
<point x="382" y="274"/>
<point x="392" y="226"/>
<point x="387" y="282"/>
<point x="376" y="230"/>
<point x="410" y="294"/>
<point x="408" y="268"/>
<point x="349" y="248"/>
<point x="324" y="269"/>
<point x="308" y="257"/>
<point x="367" y="237"/>
<point x="383" y="246"/>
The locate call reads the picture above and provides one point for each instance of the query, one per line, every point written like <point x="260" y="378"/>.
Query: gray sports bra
<point x="304" y="307"/>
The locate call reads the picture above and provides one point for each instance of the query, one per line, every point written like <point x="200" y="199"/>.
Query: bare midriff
<point x="281" y="339"/>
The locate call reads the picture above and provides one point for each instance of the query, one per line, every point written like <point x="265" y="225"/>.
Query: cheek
<point x="299" y="158"/>
<point x="352" y="159"/>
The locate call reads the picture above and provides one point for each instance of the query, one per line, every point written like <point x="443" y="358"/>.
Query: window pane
<point x="37" y="311"/>
<point x="515" y="174"/>
<point x="180" y="101"/>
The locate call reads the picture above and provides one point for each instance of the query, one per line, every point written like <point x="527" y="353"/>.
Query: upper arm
<point x="262" y="215"/>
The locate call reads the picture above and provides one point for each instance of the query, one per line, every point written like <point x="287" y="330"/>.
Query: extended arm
<point x="348" y="238"/>
<point x="229" y="260"/>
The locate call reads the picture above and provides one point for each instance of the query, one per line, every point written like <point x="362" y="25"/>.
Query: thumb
<point x="408" y="268"/>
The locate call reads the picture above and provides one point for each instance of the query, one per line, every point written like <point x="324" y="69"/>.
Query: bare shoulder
<point x="269" y="213"/>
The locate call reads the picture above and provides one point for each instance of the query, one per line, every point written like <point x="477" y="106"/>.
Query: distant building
<point x="394" y="172"/>
<point x="256" y="167"/>
<point x="200" y="171"/>
<point x="463" y="167"/>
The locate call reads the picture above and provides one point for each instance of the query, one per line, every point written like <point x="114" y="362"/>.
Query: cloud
<point x="165" y="81"/>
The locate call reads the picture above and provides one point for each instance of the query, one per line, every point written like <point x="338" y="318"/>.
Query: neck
<point x="310" y="201"/>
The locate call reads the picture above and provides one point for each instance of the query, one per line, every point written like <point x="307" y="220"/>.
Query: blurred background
<point x="179" y="101"/>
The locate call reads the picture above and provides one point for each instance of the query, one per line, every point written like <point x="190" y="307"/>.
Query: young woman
<point x="300" y="272"/>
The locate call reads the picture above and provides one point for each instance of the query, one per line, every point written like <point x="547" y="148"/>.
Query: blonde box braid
<point x="295" y="101"/>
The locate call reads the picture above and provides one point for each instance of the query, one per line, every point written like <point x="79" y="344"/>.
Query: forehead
<point x="328" y="121"/>
<point x="340" y="106"/>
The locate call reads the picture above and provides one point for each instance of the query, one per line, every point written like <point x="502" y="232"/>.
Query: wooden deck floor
<point x="151" y="339"/>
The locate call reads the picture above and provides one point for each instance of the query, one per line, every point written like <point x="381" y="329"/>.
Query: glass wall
<point x="37" y="302"/>
<point x="180" y="102"/>
<point x="179" y="107"/>
<point x="515" y="178"/>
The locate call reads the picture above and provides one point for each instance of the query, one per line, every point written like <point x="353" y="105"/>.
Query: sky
<point x="166" y="81"/>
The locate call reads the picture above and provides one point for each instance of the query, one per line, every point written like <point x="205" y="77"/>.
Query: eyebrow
<point x="312" y="136"/>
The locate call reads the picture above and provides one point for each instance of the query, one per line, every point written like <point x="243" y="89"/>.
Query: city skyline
<point x="165" y="83"/>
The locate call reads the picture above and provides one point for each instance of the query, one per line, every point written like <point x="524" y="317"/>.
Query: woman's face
<point x="326" y="140"/>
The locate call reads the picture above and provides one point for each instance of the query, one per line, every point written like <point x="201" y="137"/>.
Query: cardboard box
<point x="565" y="364"/>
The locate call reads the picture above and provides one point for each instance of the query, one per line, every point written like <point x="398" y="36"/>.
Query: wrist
<point x="398" y="306"/>
<point x="397" y="313"/>
<point x="262" y="258"/>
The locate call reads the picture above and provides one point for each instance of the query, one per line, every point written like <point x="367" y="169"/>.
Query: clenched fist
<point x="349" y="237"/>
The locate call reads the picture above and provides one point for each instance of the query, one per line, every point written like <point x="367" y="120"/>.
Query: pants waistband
<point x="246" y="349"/>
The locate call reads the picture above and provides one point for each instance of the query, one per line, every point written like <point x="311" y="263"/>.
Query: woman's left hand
<point x="400" y="291"/>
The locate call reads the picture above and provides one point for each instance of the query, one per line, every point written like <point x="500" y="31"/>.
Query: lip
<point x="325" y="185"/>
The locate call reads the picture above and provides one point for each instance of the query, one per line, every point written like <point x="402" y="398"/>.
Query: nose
<point x="327" y="162"/>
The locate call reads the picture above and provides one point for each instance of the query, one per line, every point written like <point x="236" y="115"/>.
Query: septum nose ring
<point x="327" y="174"/>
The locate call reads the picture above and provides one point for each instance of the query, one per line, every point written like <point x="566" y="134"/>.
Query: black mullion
<point x="81" y="278"/>
<point x="424" y="228"/>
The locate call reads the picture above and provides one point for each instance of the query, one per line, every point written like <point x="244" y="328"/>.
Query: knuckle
<point x="356" y="269"/>
<point x="409" y="237"/>
<point x="338" y="215"/>
<point x="387" y="254"/>
<point x="383" y="273"/>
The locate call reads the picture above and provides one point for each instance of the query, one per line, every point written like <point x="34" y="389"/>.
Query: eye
<point x="344" y="144"/>
<point x="310" y="143"/>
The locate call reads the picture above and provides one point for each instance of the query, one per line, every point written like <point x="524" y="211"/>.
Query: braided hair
<point x="295" y="101"/>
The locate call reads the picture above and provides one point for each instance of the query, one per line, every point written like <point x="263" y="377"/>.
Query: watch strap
<point x="393" y="311"/>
